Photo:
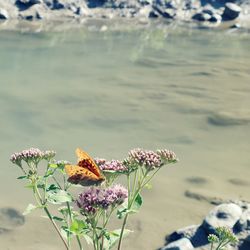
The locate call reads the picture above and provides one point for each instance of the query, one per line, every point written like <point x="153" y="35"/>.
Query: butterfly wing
<point x="85" y="161"/>
<point x="82" y="176"/>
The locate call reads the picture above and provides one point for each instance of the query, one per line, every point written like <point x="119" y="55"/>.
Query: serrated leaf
<point x="58" y="196"/>
<point x="29" y="209"/>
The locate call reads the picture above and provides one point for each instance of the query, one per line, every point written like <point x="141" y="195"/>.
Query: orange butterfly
<point x="86" y="172"/>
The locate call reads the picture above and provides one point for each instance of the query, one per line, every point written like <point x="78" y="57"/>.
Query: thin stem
<point x="49" y="215"/>
<point x="71" y="220"/>
<point x="122" y="231"/>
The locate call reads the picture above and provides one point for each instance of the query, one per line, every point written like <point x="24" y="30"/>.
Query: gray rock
<point x="201" y="17"/>
<point x="182" y="244"/>
<point x="215" y="18"/>
<point x="166" y="13"/>
<point x="244" y="222"/>
<point x="223" y="215"/>
<point x="231" y="12"/>
<point x="35" y="12"/>
<point x="4" y="14"/>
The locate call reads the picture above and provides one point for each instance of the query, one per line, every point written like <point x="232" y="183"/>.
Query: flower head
<point x="95" y="198"/>
<point x="113" y="165"/>
<point x="49" y="154"/>
<point x="99" y="161"/>
<point x="167" y="156"/>
<point x="146" y="158"/>
<point x="31" y="155"/>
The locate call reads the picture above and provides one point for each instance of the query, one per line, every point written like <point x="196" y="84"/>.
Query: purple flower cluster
<point x="147" y="158"/>
<point x="100" y="161"/>
<point x="95" y="198"/>
<point x="167" y="156"/>
<point x="113" y="165"/>
<point x="31" y="155"/>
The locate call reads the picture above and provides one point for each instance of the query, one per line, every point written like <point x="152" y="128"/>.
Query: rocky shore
<point x="233" y="215"/>
<point x="209" y="12"/>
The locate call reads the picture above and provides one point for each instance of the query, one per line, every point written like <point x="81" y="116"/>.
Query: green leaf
<point x="58" y="196"/>
<point x="88" y="239"/>
<point x="137" y="203"/>
<point x="57" y="218"/>
<point x="114" y="238"/>
<point x="53" y="165"/>
<point x="29" y="209"/>
<point x="22" y="177"/>
<point x="52" y="187"/>
<point x="121" y="213"/>
<point x="49" y="173"/>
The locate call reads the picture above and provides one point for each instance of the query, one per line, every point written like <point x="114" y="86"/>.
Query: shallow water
<point x="108" y="92"/>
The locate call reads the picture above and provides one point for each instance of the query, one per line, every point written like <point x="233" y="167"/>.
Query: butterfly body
<point x="86" y="172"/>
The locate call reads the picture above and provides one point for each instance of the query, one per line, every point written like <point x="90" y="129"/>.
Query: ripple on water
<point x="228" y="119"/>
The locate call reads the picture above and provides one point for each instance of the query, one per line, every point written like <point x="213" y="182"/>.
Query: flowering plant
<point x="87" y="216"/>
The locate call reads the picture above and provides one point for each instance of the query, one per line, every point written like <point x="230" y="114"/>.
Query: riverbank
<point x="209" y="14"/>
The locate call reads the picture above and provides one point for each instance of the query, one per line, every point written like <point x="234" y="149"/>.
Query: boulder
<point x="202" y="17"/>
<point x="244" y="222"/>
<point x="181" y="244"/>
<point x="4" y="14"/>
<point x="224" y="215"/>
<point x="231" y="12"/>
<point x="215" y="18"/>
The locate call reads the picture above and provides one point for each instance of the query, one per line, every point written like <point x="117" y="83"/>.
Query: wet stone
<point x="4" y="14"/>
<point x="215" y="18"/>
<point x="202" y="17"/>
<point x="224" y="215"/>
<point x="182" y="244"/>
<point x="231" y="12"/>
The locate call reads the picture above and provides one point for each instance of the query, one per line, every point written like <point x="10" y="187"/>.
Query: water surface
<point x="108" y="92"/>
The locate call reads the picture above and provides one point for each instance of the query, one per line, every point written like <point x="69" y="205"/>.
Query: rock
<point x="166" y="13"/>
<point x="30" y="2"/>
<point x="244" y="222"/>
<point x="231" y="12"/>
<point x="182" y="244"/>
<point x="202" y="17"/>
<point x="35" y="12"/>
<point x="195" y="233"/>
<point x="186" y="232"/>
<point x="153" y="14"/>
<point x="223" y="215"/>
<point x="215" y="18"/>
<point x="4" y="14"/>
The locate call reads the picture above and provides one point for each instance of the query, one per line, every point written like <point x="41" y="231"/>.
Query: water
<point x="108" y="92"/>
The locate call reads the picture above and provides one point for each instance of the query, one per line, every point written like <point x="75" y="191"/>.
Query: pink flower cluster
<point x="113" y="165"/>
<point x="167" y="156"/>
<point x="31" y="155"/>
<point x="147" y="158"/>
<point x="96" y="198"/>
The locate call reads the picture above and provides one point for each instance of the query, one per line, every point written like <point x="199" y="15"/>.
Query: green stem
<point x="41" y="202"/>
<point x="71" y="220"/>
<point x="122" y="231"/>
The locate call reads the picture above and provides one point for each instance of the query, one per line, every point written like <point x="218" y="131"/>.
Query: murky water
<point x="108" y="92"/>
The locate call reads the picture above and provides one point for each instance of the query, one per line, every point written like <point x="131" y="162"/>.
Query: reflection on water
<point x="108" y="92"/>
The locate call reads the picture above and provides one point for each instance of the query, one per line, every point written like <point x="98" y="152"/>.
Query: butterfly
<point x="86" y="172"/>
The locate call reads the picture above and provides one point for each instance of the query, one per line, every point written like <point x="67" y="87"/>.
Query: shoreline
<point x="45" y="14"/>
